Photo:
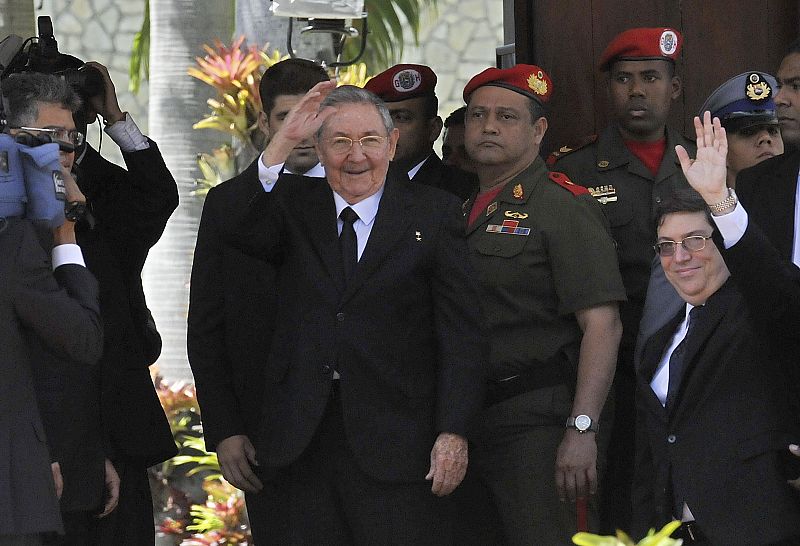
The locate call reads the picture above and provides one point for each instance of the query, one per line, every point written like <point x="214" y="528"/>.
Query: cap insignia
<point x="757" y="89"/>
<point x="537" y="83"/>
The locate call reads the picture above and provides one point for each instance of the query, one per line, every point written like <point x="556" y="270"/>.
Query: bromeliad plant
<point x="653" y="538"/>
<point x="234" y="73"/>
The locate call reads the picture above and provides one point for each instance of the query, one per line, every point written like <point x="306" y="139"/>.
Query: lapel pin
<point x="418" y="235"/>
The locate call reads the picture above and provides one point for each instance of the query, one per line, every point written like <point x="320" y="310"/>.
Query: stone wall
<point x="458" y="44"/>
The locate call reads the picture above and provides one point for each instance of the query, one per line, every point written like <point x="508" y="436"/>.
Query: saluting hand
<point x="301" y="123"/>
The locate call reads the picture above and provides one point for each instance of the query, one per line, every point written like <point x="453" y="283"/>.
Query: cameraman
<point x="43" y="303"/>
<point x="129" y="210"/>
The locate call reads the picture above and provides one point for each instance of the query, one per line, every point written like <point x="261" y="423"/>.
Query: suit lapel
<point x="707" y="324"/>
<point x="390" y="226"/>
<point x="651" y="356"/>
<point x="318" y="215"/>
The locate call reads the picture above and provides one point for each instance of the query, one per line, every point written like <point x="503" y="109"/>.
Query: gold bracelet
<point x="725" y="204"/>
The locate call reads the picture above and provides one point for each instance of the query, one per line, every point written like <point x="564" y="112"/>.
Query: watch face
<point x="583" y="422"/>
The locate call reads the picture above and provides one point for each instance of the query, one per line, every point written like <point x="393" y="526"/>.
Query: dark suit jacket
<point x="451" y="179"/>
<point x="722" y="443"/>
<point x="768" y="192"/>
<point x="406" y="335"/>
<point x="231" y="315"/>
<point x="131" y="209"/>
<point x="61" y="310"/>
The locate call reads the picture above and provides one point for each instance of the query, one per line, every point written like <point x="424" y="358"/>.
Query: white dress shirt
<point x="733" y="225"/>
<point x="67" y="254"/>
<point x="269" y="175"/>
<point x="366" y="210"/>
<point x="660" y="382"/>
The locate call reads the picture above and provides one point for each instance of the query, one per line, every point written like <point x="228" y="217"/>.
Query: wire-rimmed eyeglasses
<point x="692" y="243"/>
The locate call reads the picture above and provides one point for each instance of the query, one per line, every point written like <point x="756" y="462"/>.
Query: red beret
<point x="403" y="81"/>
<point x="643" y="44"/>
<point x="527" y="79"/>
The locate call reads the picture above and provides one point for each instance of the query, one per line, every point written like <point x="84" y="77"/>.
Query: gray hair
<point x="23" y="92"/>
<point x="349" y="94"/>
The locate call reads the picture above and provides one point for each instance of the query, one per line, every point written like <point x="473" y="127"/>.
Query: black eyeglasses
<point x="58" y="134"/>
<point x="692" y="243"/>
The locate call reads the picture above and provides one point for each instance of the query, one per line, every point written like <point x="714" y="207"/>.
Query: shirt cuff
<point x="126" y="134"/>
<point x="67" y="254"/>
<point x="732" y="225"/>
<point x="268" y="175"/>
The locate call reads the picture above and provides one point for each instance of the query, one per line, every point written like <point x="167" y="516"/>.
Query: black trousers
<point x="325" y="498"/>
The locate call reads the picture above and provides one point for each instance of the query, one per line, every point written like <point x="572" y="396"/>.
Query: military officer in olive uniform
<point x="629" y="169"/>
<point x="554" y="330"/>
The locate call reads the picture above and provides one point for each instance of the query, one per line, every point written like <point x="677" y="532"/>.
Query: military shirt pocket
<point x="501" y="245"/>
<point x="618" y="213"/>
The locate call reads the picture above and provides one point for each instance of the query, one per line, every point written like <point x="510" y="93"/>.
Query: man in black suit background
<point x="769" y="191"/>
<point x="719" y="360"/>
<point x="232" y="296"/>
<point x="375" y="370"/>
<point x="409" y="91"/>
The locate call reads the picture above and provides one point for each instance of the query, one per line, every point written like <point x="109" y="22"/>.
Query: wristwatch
<point x="729" y="202"/>
<point x="582" y="423"/>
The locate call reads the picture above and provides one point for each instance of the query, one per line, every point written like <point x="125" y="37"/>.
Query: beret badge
<point x="537" y="83"/>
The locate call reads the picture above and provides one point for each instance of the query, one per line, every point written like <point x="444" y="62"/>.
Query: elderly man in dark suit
<point x="711" y="401"/>
<point x="375" y="370"/>
<point x="54" y="304"/>
<point x="232" y="295"/>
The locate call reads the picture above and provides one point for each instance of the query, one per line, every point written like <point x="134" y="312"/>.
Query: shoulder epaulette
<point x="563" y="180"/>
<point x="566" y="150"/>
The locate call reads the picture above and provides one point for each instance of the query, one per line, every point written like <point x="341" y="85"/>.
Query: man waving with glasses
<point x="375" y="370"/>
<point x="711" y="399"/>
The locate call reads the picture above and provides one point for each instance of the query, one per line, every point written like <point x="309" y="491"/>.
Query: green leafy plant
<point x="196" y="505"/>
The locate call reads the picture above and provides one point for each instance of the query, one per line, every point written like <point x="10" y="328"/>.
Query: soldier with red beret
<point x="554" y="330"/>
<point x="409" y="90"/>
<point x="629" y="168"/>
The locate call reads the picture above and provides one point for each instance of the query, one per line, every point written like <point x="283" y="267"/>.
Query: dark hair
<point x="23" y="92"/>
<point x="350" y="94"/>
<point x="289" y="77"/>
<point x="682" y="200"/>
<point x="456" y="117"/>
<point x="794" y="47"/>
<point x="536" y="109"/>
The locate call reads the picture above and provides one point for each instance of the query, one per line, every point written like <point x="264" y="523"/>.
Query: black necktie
<point x="348" y="243"/>
<point x="676" y="360"/>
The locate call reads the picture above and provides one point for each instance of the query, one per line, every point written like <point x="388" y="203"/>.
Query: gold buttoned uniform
<point x="541" y="253"/>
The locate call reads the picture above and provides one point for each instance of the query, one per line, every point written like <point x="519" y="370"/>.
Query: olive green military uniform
<point x="628" y="193"/>
<point x="532" y="249"/>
